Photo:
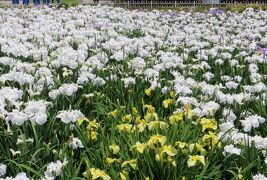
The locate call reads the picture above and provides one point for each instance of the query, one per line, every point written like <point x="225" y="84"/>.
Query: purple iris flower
<point x="98" y="25"/>
<point x="258" y="47"/>
<point x="173" y="14"/>
<point x="251" y="38"/>
<point x="216" y="11"/>
<point x="264" y="51"/>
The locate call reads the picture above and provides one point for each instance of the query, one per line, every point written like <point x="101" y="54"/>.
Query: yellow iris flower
<point x="140" y="147"/>
<point x="172" y="94"/>
<point x="166" y="103"/>
<point x="154" y="124"/>
<point x="97" y="173"/>
<point x="132" y="163"/>
<point x="181" y="144"/>
<point x="114" y="148"/>
<point x="188" y="112"/>
<point x="211" y="137"/>
<point x="148" y="92"/>
<point x="141" y="125"/>
<point x="114" y="113"/>
<point x="198" y="147"/>
<point x="208" y="124"/>
<point x="125" y="127"/>
<point x="150" y="108"/>
<point x="81" y="120"/>
<point x="194" y="159"/>
<point x="112" y="160"/>
<point x="127" y="118"/>
<point x="155" y="139"/>
<point x="93" y="125"/>
<point x="123" y="175"/>
<point x="169" y="150"/>
<point x="176" y="118"/>
<point x="151" y="117"/>
<point x="171" y="161"/>
<point x="92" y="130"/>
<point x="134" y="110"/>
<point x="92" y="135"/>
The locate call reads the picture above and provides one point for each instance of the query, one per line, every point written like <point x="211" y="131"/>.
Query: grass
<point x="203" y="8"/>
<point x="69" y="3"/>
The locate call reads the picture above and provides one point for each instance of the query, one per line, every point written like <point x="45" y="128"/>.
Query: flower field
<point x="96" y="92"/>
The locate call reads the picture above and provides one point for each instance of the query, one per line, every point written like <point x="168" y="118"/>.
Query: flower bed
<point x="100" y="92"/>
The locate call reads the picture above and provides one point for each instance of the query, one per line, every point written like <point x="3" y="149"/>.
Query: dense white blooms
<point x="231" y="85"/>
<point x="2" y="169"/>
<point x="128" y="81"/>
<point x="209" y="108"/>
<point x="9" y="96"/>
<point x="259" y="177"/>
<point x="20" y="77"/>
<point x="66" y="56"/>
<point x="19" y="176"/>
<point x="252" y="121"/>
<point x="70" y="116"/>
<point x="229" y="115"/>
<point x="7" y="61"/>
<point x="17" y="117"/>
<point x="231" y="150"/>
<point x="208" y="76"/>
<point x="226" y="126"/>
<point x="259" y="87"/>
<point x="55" y="168"/>
<point x="76" y="143"/>
<point x="36" y="111"/>
<point x="64" y="89"/>
<point x="137" y="64"/>
<point x="216" y="63"/>
<point x="187" y="100"/>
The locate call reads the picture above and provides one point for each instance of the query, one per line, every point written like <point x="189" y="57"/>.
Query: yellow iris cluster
<point x="167" y="102"/>
<point x="210" y="124"/>
<point x="174" y="119"/>
<point x="94" y="173"/>
<point x="209" y="139"/>
<point x="92" y="128"/>
<point x="157" y="143"/>
<point x="115" y="149"/>
<point x="116" y="112"/>
<point x="97" y="173"/>
<point x="132" y="124"/>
